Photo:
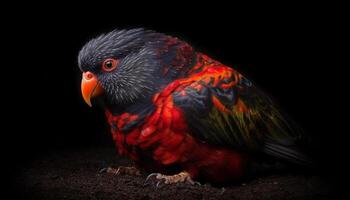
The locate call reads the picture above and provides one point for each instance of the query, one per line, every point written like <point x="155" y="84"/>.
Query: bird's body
<point x="194" y="115"/>
<point x="161" y="139"/>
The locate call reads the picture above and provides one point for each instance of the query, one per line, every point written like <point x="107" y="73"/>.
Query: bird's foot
<point x="182" y="177"/>
<point x="121" y="170"/>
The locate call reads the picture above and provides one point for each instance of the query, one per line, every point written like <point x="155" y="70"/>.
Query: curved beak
<point x="90" y="87"/>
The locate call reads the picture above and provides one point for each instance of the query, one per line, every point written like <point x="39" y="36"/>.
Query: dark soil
<point x="74" y="175"/>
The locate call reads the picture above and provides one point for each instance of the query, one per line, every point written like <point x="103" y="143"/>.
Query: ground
<point x="73" y="174"/>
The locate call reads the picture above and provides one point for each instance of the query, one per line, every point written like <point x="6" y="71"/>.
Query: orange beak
<point x="90" y="87"/>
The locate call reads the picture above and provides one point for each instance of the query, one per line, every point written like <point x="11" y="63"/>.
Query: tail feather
<point x="289" y="153"/>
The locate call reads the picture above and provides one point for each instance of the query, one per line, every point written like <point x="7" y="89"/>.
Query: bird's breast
<point x="161" y="134"/>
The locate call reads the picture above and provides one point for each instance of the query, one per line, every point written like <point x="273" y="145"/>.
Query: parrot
<point x="179" y="114"/>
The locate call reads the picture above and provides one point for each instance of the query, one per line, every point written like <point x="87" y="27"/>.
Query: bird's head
<point x="124" y="66"/>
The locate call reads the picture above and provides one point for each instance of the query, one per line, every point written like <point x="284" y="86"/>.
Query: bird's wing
<point x="222" y="107"/>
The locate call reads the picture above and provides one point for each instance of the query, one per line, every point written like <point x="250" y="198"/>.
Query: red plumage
<point x="172" y="109"/>
<point x="166" y="134"/>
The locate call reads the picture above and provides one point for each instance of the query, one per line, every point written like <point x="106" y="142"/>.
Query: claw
<point x="110" y="170"/>
<point x="117" y="172"/>
<point x="223" y="190"/>
<point x="103" y="170"/>
<point x="159" y="183"/>
<point x="189" y="180"/>
<point x="149" y="177"/>
<point x="197" y="183"/>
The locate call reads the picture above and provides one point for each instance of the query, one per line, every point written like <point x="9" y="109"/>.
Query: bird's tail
<point x="288" y="152"/>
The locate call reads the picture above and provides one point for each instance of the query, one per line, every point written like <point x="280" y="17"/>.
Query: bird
<point x="181" y="115"/>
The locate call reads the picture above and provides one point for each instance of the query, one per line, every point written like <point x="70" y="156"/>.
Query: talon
<point x="103" y="170"/>
<point x="189" y="181"/>
<point x="159" y="182"/>
<point x="149" y="177"/>
<point x="223" y="190"/>
<point x="113" y="171"/>
<point x="117" y="172"/>
<point x="197" y="183"/>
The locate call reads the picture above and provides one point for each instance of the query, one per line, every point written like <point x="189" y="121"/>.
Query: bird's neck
<point x="138" y="112"/>
<point x="176" y="58"/>
<point x="139" y="106"/>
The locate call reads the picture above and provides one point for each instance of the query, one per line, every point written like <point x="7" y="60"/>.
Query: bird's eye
<point x="109" y="64"/>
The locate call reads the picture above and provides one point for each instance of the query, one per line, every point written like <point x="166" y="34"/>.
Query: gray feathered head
<point x="127" y="65"/>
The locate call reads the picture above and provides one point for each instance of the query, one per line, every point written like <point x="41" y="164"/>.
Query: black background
<point x="291" y="54"/>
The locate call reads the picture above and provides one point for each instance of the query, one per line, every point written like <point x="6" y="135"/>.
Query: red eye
<point x="109" y="64"/>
